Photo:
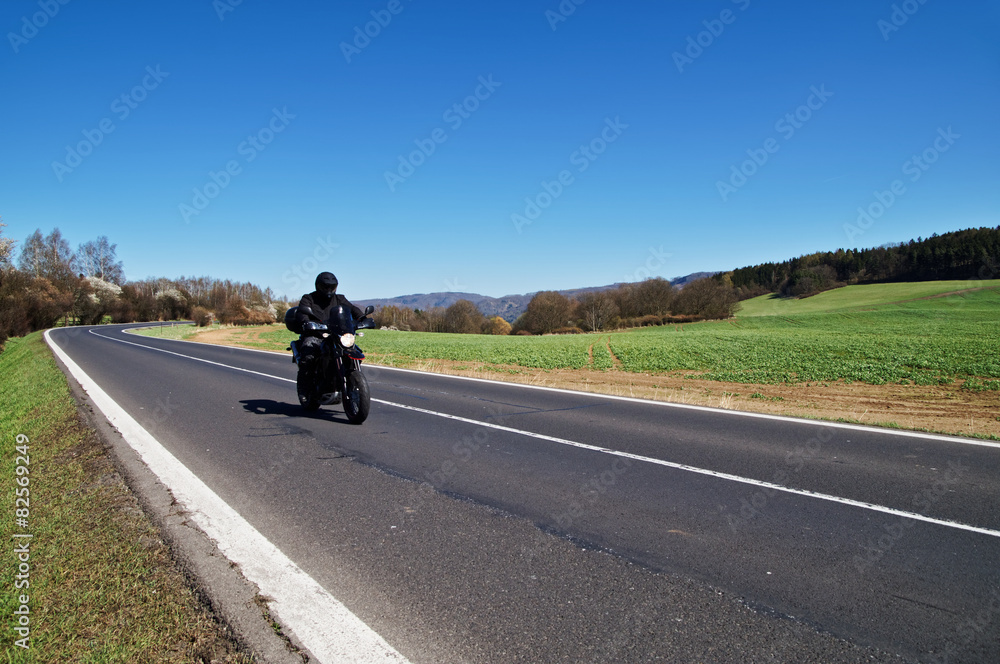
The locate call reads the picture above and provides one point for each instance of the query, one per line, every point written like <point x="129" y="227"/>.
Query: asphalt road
<point x="472" y="521"/>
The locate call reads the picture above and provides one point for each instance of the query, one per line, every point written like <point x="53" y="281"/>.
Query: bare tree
<point x="400" y="318"/>
<point x="598" y="310"/>
<point x="654" y="296"/>
<point x="49" y="257"/>
<point x="97" y="259"/>
<point x="6" y="249"/>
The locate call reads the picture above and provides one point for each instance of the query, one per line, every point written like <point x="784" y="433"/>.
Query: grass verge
<point x="100" y="584"/>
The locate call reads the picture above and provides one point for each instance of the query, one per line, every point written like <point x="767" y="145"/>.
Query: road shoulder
<point x="220" y="585"/>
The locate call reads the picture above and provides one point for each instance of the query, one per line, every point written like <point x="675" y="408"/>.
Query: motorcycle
<point x="337" y="376"/>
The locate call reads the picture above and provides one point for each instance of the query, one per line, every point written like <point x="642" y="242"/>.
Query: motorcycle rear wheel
<point x="357" y="400"/>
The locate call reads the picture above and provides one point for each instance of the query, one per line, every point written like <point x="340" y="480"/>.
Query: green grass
<point x="102" y="585"/>
<point x="925" y="342"/>
<point x="855" y="298"/>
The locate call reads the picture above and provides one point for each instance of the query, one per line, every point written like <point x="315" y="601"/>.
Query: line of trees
<point x="463" y="317"/>
<point x="50" y="284"/>
<point x="651" y="302"/>
<point x="957" y="255"/>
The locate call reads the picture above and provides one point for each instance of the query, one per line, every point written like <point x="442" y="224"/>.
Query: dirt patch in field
<point x="940" y="408"/>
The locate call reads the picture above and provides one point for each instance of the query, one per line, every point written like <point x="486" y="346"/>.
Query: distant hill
<point x="680" y="282"/>
<point x="508" y="307"/>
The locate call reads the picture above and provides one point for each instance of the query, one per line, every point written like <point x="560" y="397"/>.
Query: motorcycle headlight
<point x="347" y="340"/>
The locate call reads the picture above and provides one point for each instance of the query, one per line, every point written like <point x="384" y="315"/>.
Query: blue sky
<point x="496" y="148"/>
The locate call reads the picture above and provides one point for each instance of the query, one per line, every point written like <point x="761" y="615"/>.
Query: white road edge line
<point x="323" y="625"/>
<point x="636" y="457"/>
<point x="664" y="404"/>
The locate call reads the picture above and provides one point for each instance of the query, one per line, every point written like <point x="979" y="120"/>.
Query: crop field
<point x="924" y="341"/>
<point x="892" y="333"/>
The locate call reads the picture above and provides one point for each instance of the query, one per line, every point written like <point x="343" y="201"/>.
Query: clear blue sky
<point x="309" y="129"/>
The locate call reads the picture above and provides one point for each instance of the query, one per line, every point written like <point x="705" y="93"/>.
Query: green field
<point x="856" y="298"/>
<point x="877" y="334"/>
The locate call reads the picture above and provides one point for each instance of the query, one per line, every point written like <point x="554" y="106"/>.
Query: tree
<point x="810" y="281"/>
<point x="49" y="257"/>
<point x="463" y="317"/>
<point x="97" y="259"/>
<point x="655" y="296"/>
<point x="32" y="260"/>
<point x="28" y="304"/>
<point x="598" y="310"/>
<point x="429" y="320"/>
<point x="707" y="298"/>
<point x="547" y="311"/>
<point x="6" y="249"/>
<point x="173" y="304"/>
<point x="626" y="298"/>
<point x="391" y="316"/>
<point x="96" y="299"/>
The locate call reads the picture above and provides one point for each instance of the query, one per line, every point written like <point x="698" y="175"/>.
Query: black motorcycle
<point x="337" y="376"/>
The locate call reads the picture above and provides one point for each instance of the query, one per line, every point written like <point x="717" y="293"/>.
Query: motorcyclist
<point x="315" y="308"/>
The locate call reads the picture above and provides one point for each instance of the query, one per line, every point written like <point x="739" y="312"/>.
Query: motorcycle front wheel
<point x="357" y="400"/>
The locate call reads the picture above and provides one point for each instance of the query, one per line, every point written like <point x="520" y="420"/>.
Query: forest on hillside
<point x="967" y="254"/>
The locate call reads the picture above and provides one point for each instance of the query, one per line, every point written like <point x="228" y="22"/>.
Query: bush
<point x="201" y="316"/>
<point x="567" y="330"/>
<point x="280" y="308"/>
<point x="498" y="326"/>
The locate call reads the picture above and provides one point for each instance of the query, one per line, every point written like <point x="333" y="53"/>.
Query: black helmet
<point x="326" y="283"/>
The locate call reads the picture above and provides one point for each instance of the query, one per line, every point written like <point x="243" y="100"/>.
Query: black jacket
<point x="321" y="305"/>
